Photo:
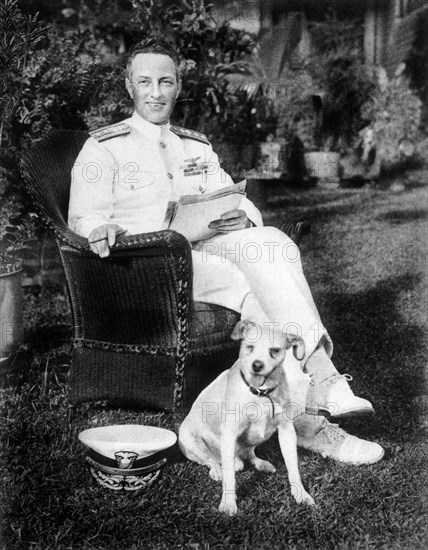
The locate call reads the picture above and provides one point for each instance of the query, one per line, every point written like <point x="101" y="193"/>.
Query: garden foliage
<point x="19" y="35"/>
<point x="73" y="78"/>
<point x="323" y="98"/>
<point x="70" y="76"/>
<point x="395" y="118"/>
<point x="318" y="94"/>
<point x="346" y="84"/>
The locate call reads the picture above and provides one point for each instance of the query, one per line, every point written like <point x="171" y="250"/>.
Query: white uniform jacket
<point x="120" y="176"/>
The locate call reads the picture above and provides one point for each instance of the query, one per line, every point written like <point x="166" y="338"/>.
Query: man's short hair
<point x="153" y="44"/>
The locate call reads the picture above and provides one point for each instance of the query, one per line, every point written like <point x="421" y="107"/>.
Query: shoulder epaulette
<point x="190" y="134"/>
<point x="111" y="131"/>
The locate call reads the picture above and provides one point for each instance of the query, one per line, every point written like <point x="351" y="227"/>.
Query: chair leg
<point x="295" y="230"/>
<point x="180" y="361"/>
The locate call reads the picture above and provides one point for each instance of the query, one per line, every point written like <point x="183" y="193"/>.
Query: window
<point x="413" y="5"/>
<point x="406" y="7"/>
<point x="401" y="8"/>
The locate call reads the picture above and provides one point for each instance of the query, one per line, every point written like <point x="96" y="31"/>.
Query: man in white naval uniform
<point x="123" y="180"/>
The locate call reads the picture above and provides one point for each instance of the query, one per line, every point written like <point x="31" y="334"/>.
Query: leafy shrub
<point x="346" y="85"/>
<point x="395" y="116"/>
<point x="60" y="84"/>
<point x="207" y="103"/>
<point x="417" y="60"/>
<point x="319" y="98"/>
<point x="72" y="83"/>
<point x="338" y="83"/>
<point x="296" y="116"/>
<point x="231" y="119"/>
<point x="19" y="35"/>
<point x="14" y="230"/>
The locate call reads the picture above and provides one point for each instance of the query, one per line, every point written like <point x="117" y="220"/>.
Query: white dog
<point x="244" y="406"/>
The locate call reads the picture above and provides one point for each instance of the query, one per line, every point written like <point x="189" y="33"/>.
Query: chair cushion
<point x="211" y="325"/>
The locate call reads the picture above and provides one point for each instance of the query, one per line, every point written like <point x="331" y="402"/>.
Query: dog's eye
<point x="274" y="351"/>
<point x="250" y="348"/>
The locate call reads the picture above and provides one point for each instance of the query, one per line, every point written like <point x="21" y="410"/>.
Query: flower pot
<point x="325" y="167"/>
<point x="270" y="162"/>
<point x="11" y="327"/>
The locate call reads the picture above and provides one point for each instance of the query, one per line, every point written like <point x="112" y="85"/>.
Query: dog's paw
<point x="215" y="472"/>
<point x="229" y="508"/>
<point x="307" y="499"/>
<point x="263" y="466"/>
<point x="300" y="495"/>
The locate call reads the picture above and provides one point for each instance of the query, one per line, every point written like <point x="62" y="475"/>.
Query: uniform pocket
<point x="131" y="177"/>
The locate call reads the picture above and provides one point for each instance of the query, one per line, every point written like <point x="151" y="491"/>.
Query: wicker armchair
<point x="139" y="338"/>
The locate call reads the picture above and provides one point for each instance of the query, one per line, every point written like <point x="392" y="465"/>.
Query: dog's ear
<point x="298" y="345"/>
<point x="240" y="328"/>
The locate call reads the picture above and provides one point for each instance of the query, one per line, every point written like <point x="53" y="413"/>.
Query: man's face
<point x="153" y="86"/>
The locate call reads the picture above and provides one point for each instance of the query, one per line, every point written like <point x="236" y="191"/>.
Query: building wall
<point x="389" y="25"/>
<point x="397" y="27"/>
<point x="261" y="16"/>
<point x="241" y="14"/>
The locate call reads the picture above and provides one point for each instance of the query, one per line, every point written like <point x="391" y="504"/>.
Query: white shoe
<point x="333" y="442"/>
<point x="341" y="400"/>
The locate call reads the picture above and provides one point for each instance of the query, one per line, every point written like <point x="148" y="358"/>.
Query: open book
<point x="191" y="214"/>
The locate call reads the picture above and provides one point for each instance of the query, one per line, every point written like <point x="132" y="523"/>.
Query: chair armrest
<point x="143" y="244"/>
<point x="150" y="244"/>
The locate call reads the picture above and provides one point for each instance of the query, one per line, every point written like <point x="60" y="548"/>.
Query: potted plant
<point x="318" y="91"/>
<point x="341" y="87"/>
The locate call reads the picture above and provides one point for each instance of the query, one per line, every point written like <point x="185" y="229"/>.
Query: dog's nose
<point x="257" y="366"/>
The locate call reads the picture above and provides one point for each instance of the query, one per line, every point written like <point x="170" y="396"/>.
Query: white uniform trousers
<point x="258" y="273"/>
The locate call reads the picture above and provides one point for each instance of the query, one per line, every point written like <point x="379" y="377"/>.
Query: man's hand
<point x="231" y="221"/>
<point x="103" y="237"/>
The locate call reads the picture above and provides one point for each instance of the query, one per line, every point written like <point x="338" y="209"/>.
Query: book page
<point x="230" y="190"/>
<point x="193" y="213"/>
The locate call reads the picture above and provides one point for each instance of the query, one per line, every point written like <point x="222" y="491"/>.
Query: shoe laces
<point x="333" y="432"/>
<point x="336" y="377"/>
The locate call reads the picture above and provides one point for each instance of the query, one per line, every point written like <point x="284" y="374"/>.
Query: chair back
<point x="47" y="173"/>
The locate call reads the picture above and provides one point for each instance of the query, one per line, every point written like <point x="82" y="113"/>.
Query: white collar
<point x="147" y="128"/>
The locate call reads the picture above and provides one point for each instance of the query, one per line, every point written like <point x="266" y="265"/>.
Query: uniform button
<point x="170" y="175"/>
<point x="132" y="187"/>
<point x="162" y="144"/>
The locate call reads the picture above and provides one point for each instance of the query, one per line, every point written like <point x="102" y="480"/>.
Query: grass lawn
<point x="366" y="262"/>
